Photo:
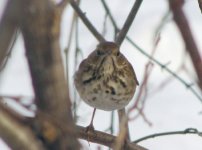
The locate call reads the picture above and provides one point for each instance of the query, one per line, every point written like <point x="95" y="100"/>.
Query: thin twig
<point x="186" y="131"/>
<point x="77" y="51"/>
<point x="183" y="25"/>
<point x="122" y="34"/>
<point x="88" y="24"/>
<point x="146" y="120"/>
<point x="116" y="30"/>
<point x="142" y="94"/>
<point x="109" y="13"/>
<point x="148" y="69"/>
<point x="67" y="53"/>
<point x="18" y="100"/>
<point x="169" y="79"/>
<point x="165" y="19"/>
<point x="104" y="30"/>
<point x="112" y="123"/>
<point x="176" y="76"/>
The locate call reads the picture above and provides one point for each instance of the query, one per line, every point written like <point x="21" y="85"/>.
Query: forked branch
<point x="142" y="51"/>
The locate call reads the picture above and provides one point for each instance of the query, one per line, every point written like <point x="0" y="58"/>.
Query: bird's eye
<point x="99" y="53"/>
<point x="118" y="53"/>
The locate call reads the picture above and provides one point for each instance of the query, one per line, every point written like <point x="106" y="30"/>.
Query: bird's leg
<point x="90" y="127"/>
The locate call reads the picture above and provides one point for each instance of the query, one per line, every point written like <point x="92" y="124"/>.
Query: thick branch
<point x="183" y="25"/>
<point x="8" y="26"/>
<point x="40" y="27"/>
<point x="15" y="133"/>
<point x="90" y="136"/>
<point x="103" y="138"/>
<point x="121" y="36"/>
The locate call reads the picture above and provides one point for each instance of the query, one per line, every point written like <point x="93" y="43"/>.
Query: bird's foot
<point x="90" y="128"/>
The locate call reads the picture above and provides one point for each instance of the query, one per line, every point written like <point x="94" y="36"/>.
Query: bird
<point x="105" y="79"/>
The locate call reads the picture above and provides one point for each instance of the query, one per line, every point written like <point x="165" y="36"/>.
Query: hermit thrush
<point x="106" y="80"/>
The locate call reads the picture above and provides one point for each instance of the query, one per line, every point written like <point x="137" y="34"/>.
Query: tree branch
<point x="122" y="115"/>
<point x="15" y="133"/>
<point x="40" y="28"/>
<point x="110" y="15"/>
<point x="123" y="134"/>
<point x="176" y="76"/>
<point x="8" y="27"/>
<point x="103" y="138"/>
<point x="183" y="25"/>
<point x="90" y="136"/>
<point x="122" y="34"/>
<point x="88" y="24"/>
<point x="186" y="131"/>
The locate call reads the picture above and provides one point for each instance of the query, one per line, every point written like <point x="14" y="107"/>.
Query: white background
<point x="171" y="108"/>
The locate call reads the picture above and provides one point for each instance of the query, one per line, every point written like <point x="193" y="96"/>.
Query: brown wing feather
<point x="129" y="66"/>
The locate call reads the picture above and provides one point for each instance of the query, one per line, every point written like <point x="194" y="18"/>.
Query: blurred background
<point x="167" y="104"/>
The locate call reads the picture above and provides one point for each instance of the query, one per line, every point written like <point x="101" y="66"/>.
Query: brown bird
<point x="106" y="80"/>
